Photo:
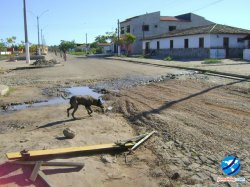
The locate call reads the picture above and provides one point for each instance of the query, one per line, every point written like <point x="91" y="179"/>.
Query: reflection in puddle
<point x="84" y="90"/>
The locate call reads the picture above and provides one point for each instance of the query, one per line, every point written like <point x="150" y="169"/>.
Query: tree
<point x="66" y="45"/>
<point x="11" y="40"/>
<point x="101" y="39"/>
<point x="128" y="39"/>
<point x="2" y="46"/>
<point x="33" y="48"/>
<point x="20" y="47"/>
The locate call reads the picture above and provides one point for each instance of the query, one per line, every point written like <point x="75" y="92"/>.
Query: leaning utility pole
<point x="27" y="52"/>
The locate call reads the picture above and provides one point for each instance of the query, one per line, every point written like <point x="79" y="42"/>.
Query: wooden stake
<point x="142" y="140"/>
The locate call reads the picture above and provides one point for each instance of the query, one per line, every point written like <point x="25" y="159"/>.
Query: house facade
<point x="152" y="24"/>
<point x="107" y="48"/>
<point x="211" y="41"/>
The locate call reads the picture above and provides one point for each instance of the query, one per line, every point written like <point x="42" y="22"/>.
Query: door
<point x="147" y="49"/>
<point x="226" y="45"/>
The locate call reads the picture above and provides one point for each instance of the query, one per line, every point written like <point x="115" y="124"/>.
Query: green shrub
<point x="92" y="50"/>
<point x="168" y="58"/>
<point x="77" y="53"/>
<point x="212" y="61"/>
<point x="141" y="56"/>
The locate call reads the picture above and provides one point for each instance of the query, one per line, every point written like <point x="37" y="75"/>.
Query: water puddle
<point x="83" y="90"/>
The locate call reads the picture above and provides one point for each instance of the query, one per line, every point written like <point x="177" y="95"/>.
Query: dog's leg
<point x="71" y="107"/>
<point x="91" y="111"/>
<point x="88" y="110"/>
<point x="75" y="109"/>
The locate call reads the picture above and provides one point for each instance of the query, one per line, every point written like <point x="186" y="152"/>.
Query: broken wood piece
<point x="63" y="164"/>
<point x="35" y="171"/>
<point x="131" y="140"/>
<point x="142" y="140"/>
<point x="44" y="178"/>
<point x="60" y="151"/>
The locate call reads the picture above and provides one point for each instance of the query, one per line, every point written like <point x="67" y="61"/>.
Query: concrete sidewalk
<point x="227" y="67"/>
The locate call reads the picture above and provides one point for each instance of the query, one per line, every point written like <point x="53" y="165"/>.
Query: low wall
<point x="217" y="53"/>
<point x="235" y="53"/>
<point x="197" y="53"/>
<point x="246" y="54"/>
<point x="189" y="53"/>
<point x="5" y="53"/>
<point x="32" y="57"/>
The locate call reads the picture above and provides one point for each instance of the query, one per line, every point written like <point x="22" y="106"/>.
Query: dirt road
<point x="198" y="118"/>
<point x="197" y="123"/>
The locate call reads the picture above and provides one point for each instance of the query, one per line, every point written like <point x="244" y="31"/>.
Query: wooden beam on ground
<point x="60" y="151"/>
<point x="44" y="178"/>
<point x="61" y="164"/>
<point x="35" y="171"/>
<point x="142" y="140"/>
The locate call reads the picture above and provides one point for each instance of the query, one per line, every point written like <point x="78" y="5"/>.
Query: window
<point x="172" y="28"/>
<point x="186" y="43"/>
<point x="128" y="29"/>
<point x="145" y="27"/>
<point x="240" y="40"/>
<point x="122" y="30"/>
<point x="171" y="44"/>
<point x="201" y="42"/>
<point x="158" y="45"/>
<point x="156" y="26"/>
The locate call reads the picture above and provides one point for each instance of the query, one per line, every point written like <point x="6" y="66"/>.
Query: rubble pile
<point x="43" y="62"/>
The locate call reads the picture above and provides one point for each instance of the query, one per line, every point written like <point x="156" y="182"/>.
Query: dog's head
<point x="100" y="104"/>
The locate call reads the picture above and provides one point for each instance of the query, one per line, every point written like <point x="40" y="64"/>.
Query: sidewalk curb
<point x="185" y="68"/>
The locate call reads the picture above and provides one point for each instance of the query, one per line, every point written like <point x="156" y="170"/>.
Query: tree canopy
<point x="128" y="39"/>
<point x="66" y="45"/>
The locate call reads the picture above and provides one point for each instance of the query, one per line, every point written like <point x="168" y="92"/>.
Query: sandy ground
<point x="199" y="119"/>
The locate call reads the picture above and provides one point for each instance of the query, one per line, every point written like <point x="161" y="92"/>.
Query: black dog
<point x="87" y="101"/>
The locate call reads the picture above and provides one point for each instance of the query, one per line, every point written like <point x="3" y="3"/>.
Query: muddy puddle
<point x="68" y="92"/>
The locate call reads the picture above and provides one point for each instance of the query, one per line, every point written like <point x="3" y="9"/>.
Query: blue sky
<point x="70" y="20"/>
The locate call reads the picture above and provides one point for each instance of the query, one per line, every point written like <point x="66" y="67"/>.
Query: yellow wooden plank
<point x="48" y="152"/>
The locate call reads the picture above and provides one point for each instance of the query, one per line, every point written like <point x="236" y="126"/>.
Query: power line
<point x="208" y="5"/>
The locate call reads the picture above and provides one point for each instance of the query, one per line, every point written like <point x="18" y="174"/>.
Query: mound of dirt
<point x="43" y="62"/>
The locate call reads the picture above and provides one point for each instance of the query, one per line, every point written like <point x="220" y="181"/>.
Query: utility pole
<point x="86" y="43"/>
<point x="42" y="39"/>
<point x="118" y="39"/>
<point x="27" y="52"/>
<point x="38" y="36"/>
<point x="143" y="31"/>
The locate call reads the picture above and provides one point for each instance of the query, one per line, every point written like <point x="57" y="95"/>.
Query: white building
<point x="211" y="41"/>
<point x="107" y="48"/>
<point x="151" y="24"/>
